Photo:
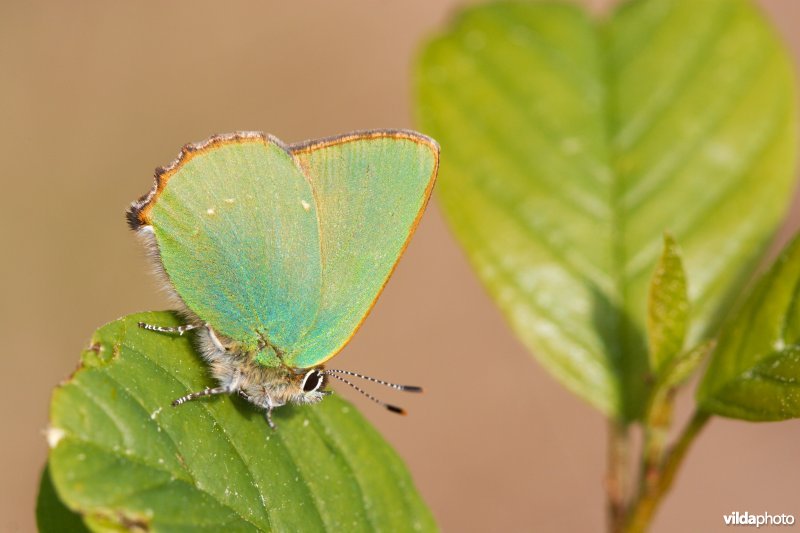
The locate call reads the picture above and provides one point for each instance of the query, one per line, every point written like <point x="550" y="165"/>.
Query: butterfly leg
<point x="180" y="330"/>
<point x="200" y="394"/>
<point x="268" y="417"/>
<point x="214" y="339"/>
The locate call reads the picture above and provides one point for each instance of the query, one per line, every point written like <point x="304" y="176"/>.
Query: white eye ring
<point x="317" y="375"/>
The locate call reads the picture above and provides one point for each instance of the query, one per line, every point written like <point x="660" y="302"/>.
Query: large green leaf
<point x="754" y="372"/>
<point x="122" y="456"/>
<point x="570" y="146"/>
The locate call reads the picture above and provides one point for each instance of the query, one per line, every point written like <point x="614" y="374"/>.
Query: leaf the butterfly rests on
<point x="121" y="456"/>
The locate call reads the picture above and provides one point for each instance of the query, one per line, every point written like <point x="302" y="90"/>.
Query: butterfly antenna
<point x="390" y="407"/>
<point x="406" y="388"/>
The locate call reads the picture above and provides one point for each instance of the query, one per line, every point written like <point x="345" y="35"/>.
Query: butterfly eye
<point x="312" y="381"/>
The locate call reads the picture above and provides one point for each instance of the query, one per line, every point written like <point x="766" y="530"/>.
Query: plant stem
<point x="652" y="493"/>
<point x="618" y="473"/>
<point x="656" y="428"/>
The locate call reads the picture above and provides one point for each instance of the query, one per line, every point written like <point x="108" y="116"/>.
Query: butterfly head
<point x="308" y="386"/>
<point x="272" y="387"/>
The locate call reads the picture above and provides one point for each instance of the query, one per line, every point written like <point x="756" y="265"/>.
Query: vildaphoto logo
<point x="764" y="519"/>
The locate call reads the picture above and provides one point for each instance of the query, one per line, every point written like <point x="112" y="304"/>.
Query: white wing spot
<point x="211" y="211"/>
<point x="306" y="205"/>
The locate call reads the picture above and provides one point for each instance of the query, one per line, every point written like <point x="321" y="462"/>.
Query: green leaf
<point x="123" y="457"/>
<point x="754" y="372"/>
<point x="667" y="307"/>
<point x="570" y="146"/>
<point x="52" y="516"/>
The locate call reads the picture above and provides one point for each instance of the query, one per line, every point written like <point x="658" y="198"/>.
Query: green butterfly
<point x="276" y="253"/>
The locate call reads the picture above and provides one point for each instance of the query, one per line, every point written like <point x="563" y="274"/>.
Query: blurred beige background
<point x="96" y="94"/>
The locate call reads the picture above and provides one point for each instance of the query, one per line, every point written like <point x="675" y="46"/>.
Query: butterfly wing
<point x="236" y="226"/>
<point x="370" y="189"/>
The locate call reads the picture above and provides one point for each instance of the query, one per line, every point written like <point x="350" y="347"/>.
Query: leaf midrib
<point x="630" y="363"/>
<point x="617" y="253"/>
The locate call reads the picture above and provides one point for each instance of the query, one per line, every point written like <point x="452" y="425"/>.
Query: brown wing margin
<point x="138" y="214"/>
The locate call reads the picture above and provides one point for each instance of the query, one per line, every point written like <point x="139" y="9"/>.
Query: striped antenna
<point x="390" y="407"/>
<point x="405" y="388"/>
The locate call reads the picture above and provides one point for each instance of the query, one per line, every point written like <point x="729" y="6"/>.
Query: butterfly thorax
<point x="240" y="370"/>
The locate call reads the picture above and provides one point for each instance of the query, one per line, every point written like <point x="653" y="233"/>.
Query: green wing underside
<point x="291" y="248"/>
<point x="237" y="243"/>
<point x="369" y="194"/>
